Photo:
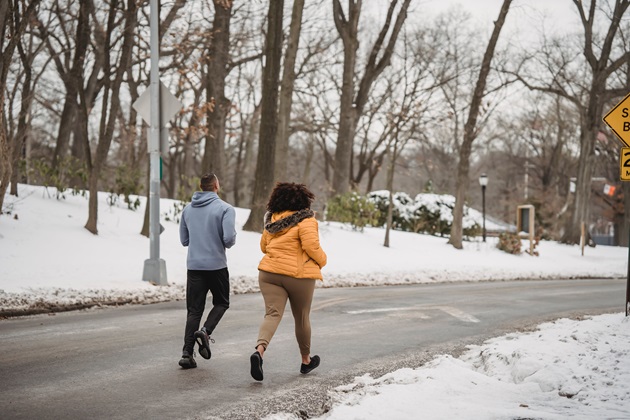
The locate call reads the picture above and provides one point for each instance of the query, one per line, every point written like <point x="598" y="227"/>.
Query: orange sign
<point x="618" y="119"/>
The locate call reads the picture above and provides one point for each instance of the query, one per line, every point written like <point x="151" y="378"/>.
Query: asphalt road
<point x="122" y="362"/>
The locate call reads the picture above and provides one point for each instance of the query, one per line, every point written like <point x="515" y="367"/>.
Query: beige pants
<point x="276" y="289"/>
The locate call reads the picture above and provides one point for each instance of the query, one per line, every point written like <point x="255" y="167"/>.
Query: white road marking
<point x="366" y="311"/>
<point x="454" y="312"/>
<point x="329" y="302"/>
<point x="461" y="315"/>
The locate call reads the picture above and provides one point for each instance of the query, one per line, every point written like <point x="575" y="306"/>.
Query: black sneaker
<point x="187" y="361"/>
<point x="256" y="366"/>
<point x="312" y="365"/>
<point x="203" y="339"/>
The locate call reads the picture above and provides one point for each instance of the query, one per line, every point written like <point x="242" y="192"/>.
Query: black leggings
<point x="198" y="284"/>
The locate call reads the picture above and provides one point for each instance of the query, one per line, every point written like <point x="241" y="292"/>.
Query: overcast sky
<point x="526" y="18"/>
<point x="557" y="11"/>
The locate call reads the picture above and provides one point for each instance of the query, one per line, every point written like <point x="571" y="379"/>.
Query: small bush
<point x="352" y="208"/>
<point x="128" y="183"/>
<point x="380" y="199"/>
<point x="174" y="214"/>
<point x="70" y="173"/>
<point x="427" y="213"/>
<point x="509" y="242"/>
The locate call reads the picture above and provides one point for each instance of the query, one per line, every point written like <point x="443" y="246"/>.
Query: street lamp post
<point x="483" y="181"/>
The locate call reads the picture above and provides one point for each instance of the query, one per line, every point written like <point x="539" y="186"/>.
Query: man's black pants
<point x="199" y="282"/>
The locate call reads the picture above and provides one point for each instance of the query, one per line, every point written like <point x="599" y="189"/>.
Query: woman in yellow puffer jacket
<point x="289" y="269"/>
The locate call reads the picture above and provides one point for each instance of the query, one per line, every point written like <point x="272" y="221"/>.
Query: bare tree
<point x="112" y="88"/>
<point x="535" y="147"/>
<point x="372" y="151"/>
<point x="286" y="91"/>
<point x="353" y="103"/>
<point x="218" y="58"/>
<point x="70" y="67"/>
<point x="315" y="118"/>
<point x="471" y="130"/>
<point x="28" y="50"/>
<point x="591" y="112"/>
<point x="406" y="116"/>
<point x="605" y="55"/>
<point x="269" y="118"/>
<point x="14" y="19"/>
<point x="246" y="91"/>
<point x="411" y="79"/>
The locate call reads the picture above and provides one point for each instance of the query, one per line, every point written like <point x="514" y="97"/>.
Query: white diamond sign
<point x="170" y="105"/>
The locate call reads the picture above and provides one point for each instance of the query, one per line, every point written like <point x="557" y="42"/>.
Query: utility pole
<point x="156" y="106"/>
<point x="155" y="267"/>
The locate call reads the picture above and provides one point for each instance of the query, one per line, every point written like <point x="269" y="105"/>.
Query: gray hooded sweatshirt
<point x="207" y="229"/>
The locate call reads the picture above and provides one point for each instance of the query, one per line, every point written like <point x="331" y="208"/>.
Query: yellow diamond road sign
<point x="618" y="119"/>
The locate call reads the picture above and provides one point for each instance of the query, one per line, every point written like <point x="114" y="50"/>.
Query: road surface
<point x="122" y="362"/>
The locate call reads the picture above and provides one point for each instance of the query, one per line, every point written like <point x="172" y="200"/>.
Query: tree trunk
<point x="23" y="123"/>
<point x="373" y="170"/>
<point x="219" y="54"/>
<point x="66" y="126"/>
<point x="470" y="131"/>
<point x="244" y="157"/>
<point x="460" y="194"/>
<point x="107" y="127"/>
<point x="348" y="29"/>
<point x="581" y="205"/>
<point x="5" y="155"/>
<point x="286" y="92"/>
<point x="250" y="156"/>
<point x="264" y="178"/>
<point x="306" y="173"/>
<point x="390" y="188"/>
<point x="146" y="227"/>
<point x="73" y="81"/>
<point x="11" y="32"/>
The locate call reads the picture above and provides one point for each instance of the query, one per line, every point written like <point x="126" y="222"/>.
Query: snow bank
<point x="48" y="261"/>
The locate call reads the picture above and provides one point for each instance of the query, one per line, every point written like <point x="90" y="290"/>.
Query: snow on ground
<point x="48" y="259"/>
<point x="564" y="369"/>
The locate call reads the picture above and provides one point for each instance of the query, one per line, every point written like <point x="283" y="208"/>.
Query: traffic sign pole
<point x="156" y="106"/>
<point x="155" y="267"/>
<point x="628" y="281"/>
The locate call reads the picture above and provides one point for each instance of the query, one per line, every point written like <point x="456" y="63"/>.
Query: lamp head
<point x="483" y="180"/>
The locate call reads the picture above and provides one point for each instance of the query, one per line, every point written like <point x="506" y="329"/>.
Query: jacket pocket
<point x="303" y="260"/>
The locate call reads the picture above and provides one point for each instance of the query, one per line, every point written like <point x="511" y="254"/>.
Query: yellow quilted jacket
<point x="291" y="246"/>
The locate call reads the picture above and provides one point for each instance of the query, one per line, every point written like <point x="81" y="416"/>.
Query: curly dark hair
<point x="289" y="196"/>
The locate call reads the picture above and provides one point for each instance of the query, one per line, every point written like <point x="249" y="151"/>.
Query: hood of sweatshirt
<point x="283" y="222"/>
<point x="203" y="198"/>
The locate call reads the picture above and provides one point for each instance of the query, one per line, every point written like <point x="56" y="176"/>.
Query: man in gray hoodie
<point x="207" y="229"/>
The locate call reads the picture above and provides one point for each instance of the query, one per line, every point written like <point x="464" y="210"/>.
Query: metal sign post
<point x="156" y="106"/>
<point x="155" y="267"/>
<point x="628" y="284"/>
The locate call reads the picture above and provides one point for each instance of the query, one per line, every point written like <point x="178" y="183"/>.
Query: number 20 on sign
<point x="624" y="163"/>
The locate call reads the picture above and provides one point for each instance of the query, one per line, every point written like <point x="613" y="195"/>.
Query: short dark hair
<point x="208" y="181"/>
<point x="289" y="196"/>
